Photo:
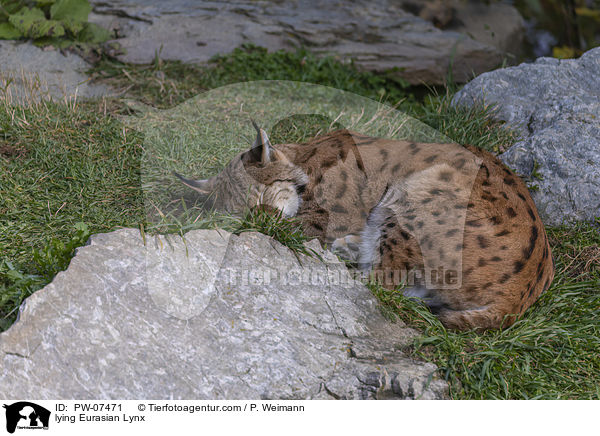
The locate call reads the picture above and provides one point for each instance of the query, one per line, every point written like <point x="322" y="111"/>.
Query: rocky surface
<point x="496" y="24"/>
<point x="378" y="35"/>
<point x="555" y="106"/>
<point x="217" y="316"/>
<point x="29" y="73"/>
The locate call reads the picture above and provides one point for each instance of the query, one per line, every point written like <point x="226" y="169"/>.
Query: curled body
<point x="448" y="224"/>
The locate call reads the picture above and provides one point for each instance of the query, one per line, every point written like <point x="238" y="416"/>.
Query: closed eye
<point x="300" y="189"/>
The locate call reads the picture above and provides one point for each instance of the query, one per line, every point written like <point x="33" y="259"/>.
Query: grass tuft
<point x="474" y="125"/>
<point x="287" y="231"/>
<point x="46" y="262"/>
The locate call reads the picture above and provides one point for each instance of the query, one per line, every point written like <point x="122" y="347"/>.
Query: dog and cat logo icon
<point x="26" y="415"/>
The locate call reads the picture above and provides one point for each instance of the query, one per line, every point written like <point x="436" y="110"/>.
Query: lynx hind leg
<point x="430" y="208"/>
<point x="393" y="257"/>
<point x="419" y="225"/>
<point x="397" y="250"/>
<point x="386" y="244"/>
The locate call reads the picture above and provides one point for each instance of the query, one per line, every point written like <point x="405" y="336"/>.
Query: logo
<point x="25" y="415"/>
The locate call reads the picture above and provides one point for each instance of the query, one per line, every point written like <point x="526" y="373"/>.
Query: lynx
<point x="452" y="222"/>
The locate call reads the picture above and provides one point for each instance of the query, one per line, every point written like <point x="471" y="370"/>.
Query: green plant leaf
<point x="9" y="7"/>
<point x="586" y="12"/>
<point x="77" y="10"/>
<point x="44" y="3"/>
<point x="50" y="40"/>
<point x="33" y="24"/>
<point x="564" y="52"/>
<point x="47" y="28"/>
<point x="25" y="16"/>
<point x="73" y="26"/>
<point x="82" y="227"/>
<point x="8" y="31"/>
<point x="93" y="34"/>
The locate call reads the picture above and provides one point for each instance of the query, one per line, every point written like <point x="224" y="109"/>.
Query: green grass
<point x="164" y="84"/>
<point x="68" y="171"/>
<point x="473" y="126"/>
<point x="59" y="166"/>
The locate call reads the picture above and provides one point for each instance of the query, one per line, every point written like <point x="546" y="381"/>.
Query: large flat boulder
<point x="555" y="106"/>
<point x="210" y="316"/>
<point x="378" y="35"/>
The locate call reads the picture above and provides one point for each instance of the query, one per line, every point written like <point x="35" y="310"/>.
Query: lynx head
<point x="262" y="176"/>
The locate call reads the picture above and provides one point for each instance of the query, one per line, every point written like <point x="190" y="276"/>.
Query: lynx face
<point x="261" y="176"/>
<point x="395" y="207"/>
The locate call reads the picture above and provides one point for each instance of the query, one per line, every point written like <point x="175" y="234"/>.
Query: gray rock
<point x="496" y="24"/>
<point x="378" y="35"/>
<point x="214" y="316"/>
<point x="555" y="106"/>
<point x="32" y="73"/>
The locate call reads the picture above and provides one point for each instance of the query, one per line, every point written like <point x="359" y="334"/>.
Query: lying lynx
<point x="452" y="222"/>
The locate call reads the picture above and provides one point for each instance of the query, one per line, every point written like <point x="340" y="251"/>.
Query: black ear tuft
<point x="255" y="126"/>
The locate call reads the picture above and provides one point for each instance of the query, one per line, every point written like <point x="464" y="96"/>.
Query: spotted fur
<point x="452" y="221"/>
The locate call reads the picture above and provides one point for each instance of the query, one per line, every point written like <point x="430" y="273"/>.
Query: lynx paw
<point x="348" y="247"/>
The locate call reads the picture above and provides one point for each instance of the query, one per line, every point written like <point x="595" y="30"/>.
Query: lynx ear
<point x="203" y="186"/>
<point x="262" y="144"/>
